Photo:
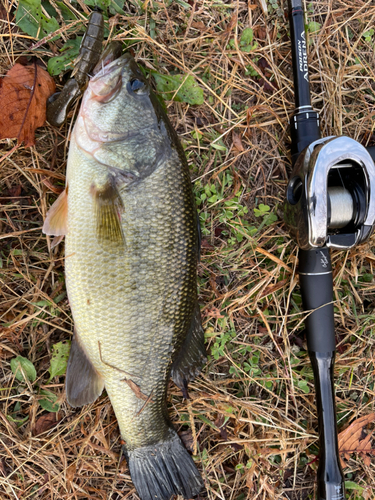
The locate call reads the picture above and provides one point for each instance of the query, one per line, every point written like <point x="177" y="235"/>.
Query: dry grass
<point x="252" y="428"/>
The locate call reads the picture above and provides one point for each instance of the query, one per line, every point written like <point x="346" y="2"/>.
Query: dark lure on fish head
<point x="59" y="104"/>
<point x="132" y="243"/>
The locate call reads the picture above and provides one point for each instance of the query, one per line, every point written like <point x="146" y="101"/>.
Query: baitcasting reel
<point x="330" y="198"/>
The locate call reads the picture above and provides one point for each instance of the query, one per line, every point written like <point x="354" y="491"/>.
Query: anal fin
<point x="83" y="383"/>
<point x="192" y="354"/>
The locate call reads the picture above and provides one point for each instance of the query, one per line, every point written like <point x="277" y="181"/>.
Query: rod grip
<point x="315" y="275"/>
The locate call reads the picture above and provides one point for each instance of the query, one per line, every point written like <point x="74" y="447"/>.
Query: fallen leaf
<point x="45" y="423"/>
<point x="236" y="446"/>
<point x="263" y="64"/>
<point x="14" y="192"/>
<point x="23" y="93"/>
<point x="260" y="32"/>
<point x="199" y="25"/>
<point x="237" y="142"/>
<point x="267" y="86"/>
<point x="232" y="23"/>
<point x="206" y="244"/>
<point x="354" y="440"/>
<point x="188" y="440"/>
<point x="214" y="312"/>
<point x="70" y="472"/>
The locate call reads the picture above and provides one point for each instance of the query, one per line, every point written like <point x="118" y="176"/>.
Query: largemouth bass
<point x="132" y="244"/>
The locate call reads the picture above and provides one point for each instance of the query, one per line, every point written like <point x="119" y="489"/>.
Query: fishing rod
<point x="330" y="203"/>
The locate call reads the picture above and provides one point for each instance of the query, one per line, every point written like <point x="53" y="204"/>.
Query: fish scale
<point x="131" y="228"/>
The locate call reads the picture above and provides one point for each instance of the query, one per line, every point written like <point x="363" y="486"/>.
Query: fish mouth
<point x="106" y="84"/>
<point x="106" y="65"/>
<point x="111" y="53"/>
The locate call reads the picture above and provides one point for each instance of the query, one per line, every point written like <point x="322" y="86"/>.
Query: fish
<point x="132" y="242"/>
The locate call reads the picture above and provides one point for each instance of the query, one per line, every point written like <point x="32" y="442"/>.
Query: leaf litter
<point x="23" y="93"/>
<point x="354" y="439"/>
<point x="256" y="384"/>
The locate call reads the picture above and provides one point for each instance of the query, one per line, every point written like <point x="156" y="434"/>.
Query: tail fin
<point x="164" y="469"/>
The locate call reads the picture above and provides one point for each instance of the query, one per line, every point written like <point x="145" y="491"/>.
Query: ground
<point x="251" y="420"/>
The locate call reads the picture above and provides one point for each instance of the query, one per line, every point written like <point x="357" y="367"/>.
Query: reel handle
<point x="316" y="283"/>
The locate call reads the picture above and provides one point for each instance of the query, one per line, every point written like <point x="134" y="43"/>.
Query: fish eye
<point x="136" y="85"/>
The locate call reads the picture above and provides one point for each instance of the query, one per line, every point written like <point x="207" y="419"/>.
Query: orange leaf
<point x="353" y="439"/>
<point x="23" y="93"/>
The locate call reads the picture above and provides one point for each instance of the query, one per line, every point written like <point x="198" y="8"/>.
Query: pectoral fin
<point x="192" y="354"/>
<point x="56" y="223"/>
<point x="83" y="383"/>
<point x="108" y="206"/>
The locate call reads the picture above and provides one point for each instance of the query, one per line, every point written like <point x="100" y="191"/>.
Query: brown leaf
<point x="353" y="439"/>
<point x="260" y="32"/>
<point x="232" y="23"/>
<point x="188" y="440"/>
<point x="267" y="85"/>
<point x="70" y="472"/>
<point x="236" y="446"/>
<point x="137" y="391"/>
<point x="206" y="244"/>
<point x="263" y="64"/>
<point x="237" y="142"/>
<point x="199" y="25"/>
<point x="45" y="423"/>
<point x="14" y="192"/>
<point x="214" y="312"/>
<point x="23" y="93"/>
<point x="367" y="460"/>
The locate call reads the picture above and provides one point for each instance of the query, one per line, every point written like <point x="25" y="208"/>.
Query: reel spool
<point x="330" y="199"/>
